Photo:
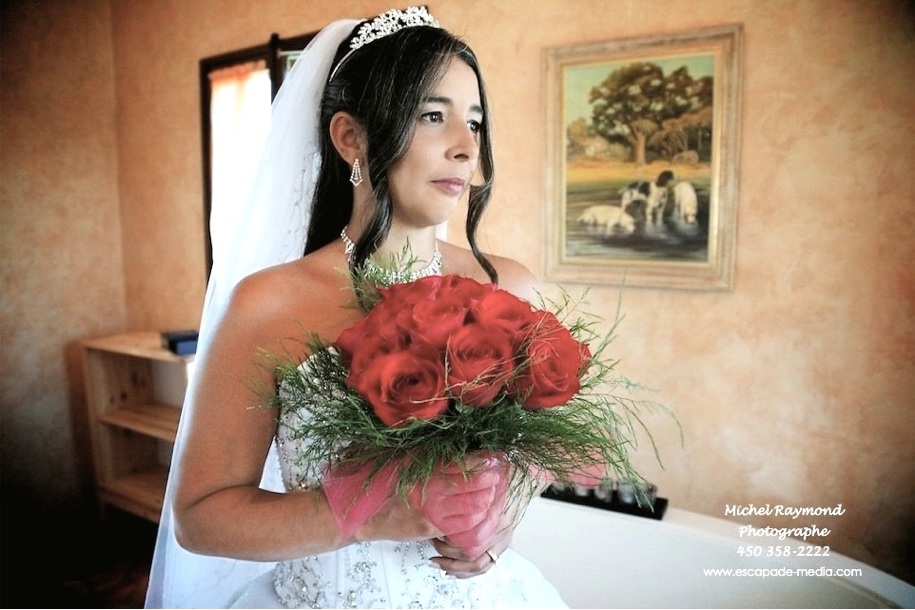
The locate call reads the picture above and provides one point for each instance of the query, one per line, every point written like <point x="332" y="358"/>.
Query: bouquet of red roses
<point x="439" y="342"/>
<point x="442" y="369"/>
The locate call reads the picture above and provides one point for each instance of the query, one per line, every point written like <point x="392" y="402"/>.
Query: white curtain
<point x="239" y="121"/>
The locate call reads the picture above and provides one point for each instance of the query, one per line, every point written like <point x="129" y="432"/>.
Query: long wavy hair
<point x="382" y="85"/>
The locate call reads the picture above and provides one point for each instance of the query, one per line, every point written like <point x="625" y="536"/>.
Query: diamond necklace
<point x="394" y="276"/>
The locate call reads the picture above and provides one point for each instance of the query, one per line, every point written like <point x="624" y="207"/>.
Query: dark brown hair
<point x="382" y="85"/>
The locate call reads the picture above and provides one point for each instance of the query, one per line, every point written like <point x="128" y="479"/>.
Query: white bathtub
<point x="602" y="559"/>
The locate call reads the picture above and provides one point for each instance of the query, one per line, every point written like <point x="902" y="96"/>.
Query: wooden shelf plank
<point x="158" y="421"/>
<point x="129" y="379"/>
<point x="140" y="345"/>
<point x="140" y="494"/>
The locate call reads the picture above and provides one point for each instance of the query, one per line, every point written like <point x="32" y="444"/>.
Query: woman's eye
<point x="475" y="126"/>
<point x="433" y="117"/>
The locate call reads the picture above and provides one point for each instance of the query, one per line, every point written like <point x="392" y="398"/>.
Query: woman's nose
<point x="465" y="145"/>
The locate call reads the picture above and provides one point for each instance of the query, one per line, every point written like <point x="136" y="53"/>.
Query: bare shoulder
<point x="280" y="300"/>
<point x="516" y="278"/>
<point x="513" y="276"/>
<point x="269" y="289"/>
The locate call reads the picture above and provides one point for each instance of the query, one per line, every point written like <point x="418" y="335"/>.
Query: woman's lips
<point x="454" y="186"/>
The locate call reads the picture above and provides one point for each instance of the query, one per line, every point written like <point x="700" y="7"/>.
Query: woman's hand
<point x="398" y="519"/>
<point x="483" y="518"/>
<point x="465" y="511"/>
<point x="463" y="502"/>
<point x="455" y="562"/>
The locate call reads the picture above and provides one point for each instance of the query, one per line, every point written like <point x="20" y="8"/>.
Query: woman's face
<point x="433" y="175"/>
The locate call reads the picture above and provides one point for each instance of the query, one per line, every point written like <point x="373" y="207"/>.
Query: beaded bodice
<point x="388" y="574"/>
<point x="362" y="575"/>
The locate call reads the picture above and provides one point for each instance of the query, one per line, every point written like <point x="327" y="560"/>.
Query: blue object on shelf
<point x="181" y="342"/>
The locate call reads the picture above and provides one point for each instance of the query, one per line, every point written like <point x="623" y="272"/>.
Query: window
<point x="236" y="90"/>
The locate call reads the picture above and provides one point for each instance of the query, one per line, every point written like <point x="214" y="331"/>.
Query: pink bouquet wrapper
<point x="466" y="507"/>
<point x="589" y="476"/>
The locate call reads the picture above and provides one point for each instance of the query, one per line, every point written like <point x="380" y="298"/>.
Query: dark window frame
<point x="276" y="53"/>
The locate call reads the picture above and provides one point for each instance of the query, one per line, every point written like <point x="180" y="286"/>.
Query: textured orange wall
<point x="793" y="388"/>
<point x="60" y="239"/>
<point x="797" y="387"/>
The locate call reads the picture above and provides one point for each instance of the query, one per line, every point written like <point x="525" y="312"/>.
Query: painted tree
<point x="638" y="103"/>
<point x="577" y="135"/>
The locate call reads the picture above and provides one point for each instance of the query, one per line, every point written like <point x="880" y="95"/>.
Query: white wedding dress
<point x="268" y="229"/>
<point x="384" y="574"/>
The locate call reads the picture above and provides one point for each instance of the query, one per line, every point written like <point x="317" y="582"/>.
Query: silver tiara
<point x="386" y="24"/>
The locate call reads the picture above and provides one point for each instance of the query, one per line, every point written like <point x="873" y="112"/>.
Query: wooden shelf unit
<point x="129" y="421"/>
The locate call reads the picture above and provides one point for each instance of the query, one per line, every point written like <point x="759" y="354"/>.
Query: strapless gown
<point x="384" y="574"/>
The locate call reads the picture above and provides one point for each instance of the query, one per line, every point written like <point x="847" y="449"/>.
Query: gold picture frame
<point x="642" y="160"/>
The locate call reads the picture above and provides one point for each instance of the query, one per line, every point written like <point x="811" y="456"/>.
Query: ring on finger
<point x="493" y="555"/>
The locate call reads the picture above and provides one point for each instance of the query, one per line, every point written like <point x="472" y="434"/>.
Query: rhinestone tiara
<point x="386" y="24"/>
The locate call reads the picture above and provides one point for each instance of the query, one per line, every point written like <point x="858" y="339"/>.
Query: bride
<point x="379" y="132"/>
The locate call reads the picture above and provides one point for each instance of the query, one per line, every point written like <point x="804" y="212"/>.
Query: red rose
<point x="412" y="292"/>
<point x="501" y="308"/>
<point x="379" y="323"/>
<point x="465" y="288"/>
<point x="346" y="343"/>
<point x="434" y="319"/>
<point x="403" y="385"/>
<point x="370" y="346"/>
<point x="480" y="362"/>
<point x="554" y="362"/>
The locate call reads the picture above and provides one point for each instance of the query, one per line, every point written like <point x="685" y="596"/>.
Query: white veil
<point x="269" y="229"/>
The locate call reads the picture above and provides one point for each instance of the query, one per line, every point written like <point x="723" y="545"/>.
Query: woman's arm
<point x="219" y="508"/>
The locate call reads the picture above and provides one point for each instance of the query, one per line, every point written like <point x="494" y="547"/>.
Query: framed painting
<point x="641" y="163"/>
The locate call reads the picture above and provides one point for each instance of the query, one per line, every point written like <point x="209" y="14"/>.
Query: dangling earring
<point x="355" y="176"/>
